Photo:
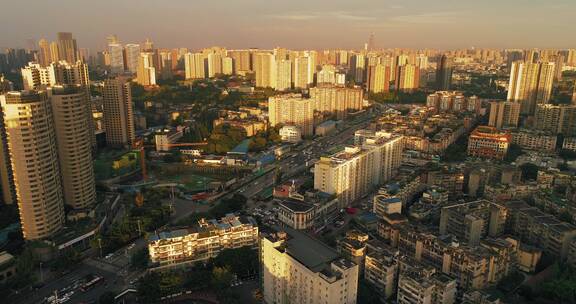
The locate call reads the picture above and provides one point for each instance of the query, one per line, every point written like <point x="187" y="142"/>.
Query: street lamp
<point x="100" y="246"/>
<point x="41" y="274"/>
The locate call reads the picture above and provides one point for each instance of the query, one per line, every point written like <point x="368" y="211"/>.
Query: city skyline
<point x="341" y="152"/>
<point x="443" y="24"/>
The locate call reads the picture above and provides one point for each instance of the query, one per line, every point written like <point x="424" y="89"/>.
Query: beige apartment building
<point x="488" y="142"/>
<point x="265" y="70"/>
<point x="292" y="109"/>
<point x="194" y="65"/>
<point x="184" y="247"/>
<point x="407" y="77"/>
<point x="473" y="221"/>
<point x="299" y="269"/>
<point x="435" y="288"/>
<point x="74" y="145"/>
<point x="381" y="268"/>
<point x="534" y="140"/>
<point x="504" y="114"/>
<point x="378" y="78"/>
<point x="557" y="119"/>
<point x="118" y="115"/>
<point x="352" y="173"/>
<point x="32" y="149"/>
<point x="336" y="100"/>
<point x="530" y="84"/>
<point x="146" y="73"/>
<point x="283" y="75"/>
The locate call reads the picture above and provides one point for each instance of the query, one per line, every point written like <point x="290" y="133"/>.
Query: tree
<point x="148" y="288"/>
<point x="242" y="261"/>
<point x="228" y="205"/>
<point x="224" y="138"/>
<point x="221" y="278"/>
<point x="565" y="216"/>
<point x="198" y="278"/>
<point x="567" y="154"/>
<point x="8" y="215"/>
<point x="140" y="258"/>
<point x="107" y="298"/>
<point x="258" y="144"/>
<point x="529" y="171"/>
<point x="170" y="282"/>
<point x="563" y="287"/>
<point x="456" y="152"/>
<point x="513" y="152"/>
<point x="274" y="134"/>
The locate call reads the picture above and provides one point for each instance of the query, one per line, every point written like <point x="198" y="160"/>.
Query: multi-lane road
<point x="115" y="269"/>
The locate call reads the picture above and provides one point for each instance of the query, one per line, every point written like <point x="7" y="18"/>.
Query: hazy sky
<point x="295" y="23"/>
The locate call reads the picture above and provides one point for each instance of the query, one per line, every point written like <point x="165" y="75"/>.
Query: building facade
<point x="32" y="149"/>
<point x="488" y="142"/>
<point x="118" y="114"/>
<point x="299" y="269"/>
<point x="183" y="247"/>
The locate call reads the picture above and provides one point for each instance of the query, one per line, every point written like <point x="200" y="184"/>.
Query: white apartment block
<point x="187" y="246"/>
<point x="352" y="173"/>
<point x="299" y="269"/>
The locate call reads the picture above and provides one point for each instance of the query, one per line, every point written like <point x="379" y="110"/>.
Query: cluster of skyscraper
<point x="284" y="69"/>
<point x="47" y="136"/>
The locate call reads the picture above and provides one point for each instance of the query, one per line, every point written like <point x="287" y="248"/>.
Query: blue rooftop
<point x="327" y="123"/>
<point x="242" y="147"/>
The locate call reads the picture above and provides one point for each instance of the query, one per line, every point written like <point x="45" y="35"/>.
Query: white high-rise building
<point x="74" y="144"/>
<point x="214" y="64"/>
<point x="358" y="67"/>
<point x="33" y="152"/>
<point x="283" y="75"/>
<point x="303" y="72"/>
<point x="265" y="70"/>
<point x="299" y="269"/>
<point x="146" y="74"/>
<point x="292" y="109"/>
<point x="34" y="76"/>
<point x="194" y="66"/>
<point x="132" y="54"/>
<point x="118" y="114"/>
<point x="227" y="66"/>
<point x="327" y="75"/>
<point x="530" y="84"/>
<point x="352" y="173"/>
<point x="116" y="52"/>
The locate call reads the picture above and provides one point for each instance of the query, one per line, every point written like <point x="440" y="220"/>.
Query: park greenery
<point x="224" y="138"/>
<point x="227" y="205"/>
<point x="567" y="154"/>
<point x="149" y="216"/>
<point x="140" y="259"/>
<point x="8" y="215"/>
<point x="457" y="151"/>
<point x="107" y="297"/>
<point x="560" y="289"/>
<point x="529" y="171"/>
<point x="26" y="263"/>
<point x="483" y="86"/>
<point x="514" y="151"/>
<point x="214" y="276"/>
